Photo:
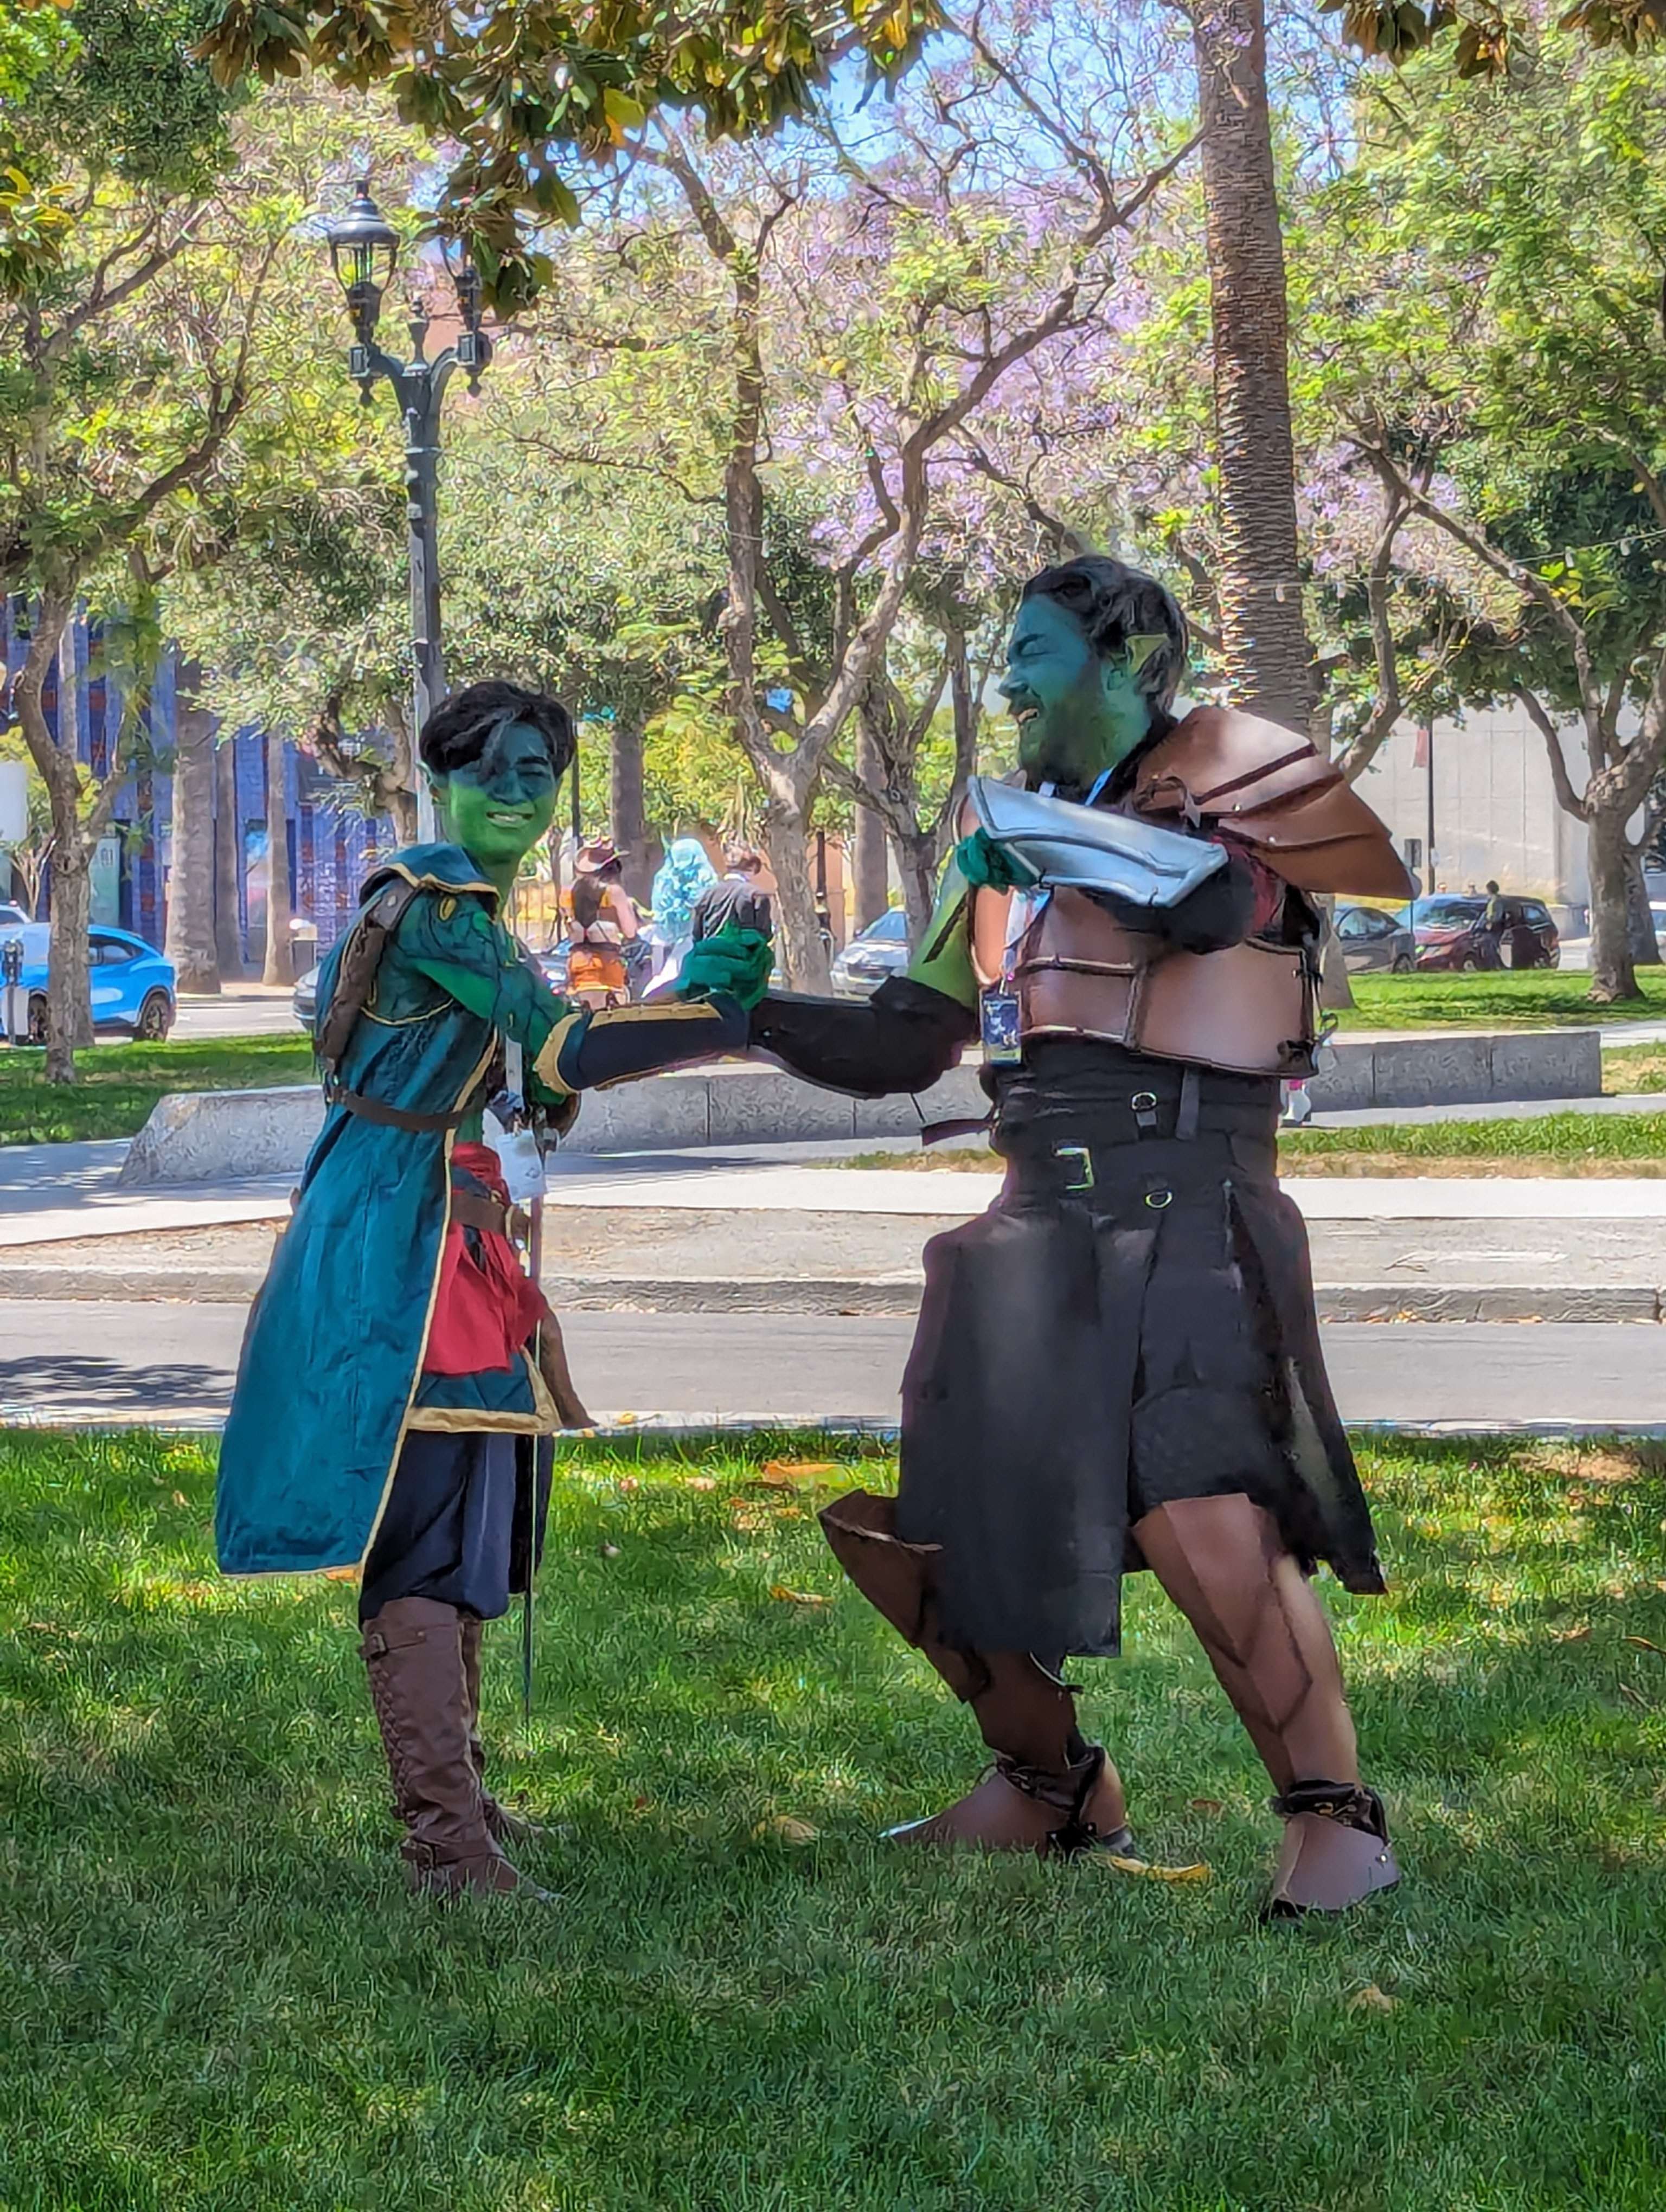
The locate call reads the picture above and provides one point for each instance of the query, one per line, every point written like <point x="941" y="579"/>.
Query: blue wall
<point x="331" y="846"/>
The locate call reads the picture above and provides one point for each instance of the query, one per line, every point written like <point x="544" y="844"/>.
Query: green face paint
<point x="499" y="806"/>
<point x="1077" y="711"/>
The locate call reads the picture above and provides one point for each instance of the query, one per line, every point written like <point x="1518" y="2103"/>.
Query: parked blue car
<point x="132" y="987"/>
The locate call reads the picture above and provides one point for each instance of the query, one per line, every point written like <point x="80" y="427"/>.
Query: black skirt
<point x="1130" y="1323"/>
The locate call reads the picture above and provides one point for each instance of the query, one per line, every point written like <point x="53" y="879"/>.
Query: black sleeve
<point x="1217" y="914"/>
<point x="905" y="1037"/>
<point x="625" y="1041"/>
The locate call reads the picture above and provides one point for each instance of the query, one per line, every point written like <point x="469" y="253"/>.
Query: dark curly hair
<point x="1114" y="603"/>
<point x="456" y="735"/>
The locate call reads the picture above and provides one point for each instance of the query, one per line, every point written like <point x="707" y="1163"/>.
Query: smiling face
<point x="1077" y="711"/>
<point x="497" y="807"/>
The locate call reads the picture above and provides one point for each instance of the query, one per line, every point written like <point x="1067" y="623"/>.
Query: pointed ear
<point x="1139" y="649"/>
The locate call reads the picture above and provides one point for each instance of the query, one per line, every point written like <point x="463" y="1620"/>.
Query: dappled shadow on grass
<point x="223" y="1999"/>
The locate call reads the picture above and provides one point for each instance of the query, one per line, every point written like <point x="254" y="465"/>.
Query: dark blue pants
<point x="448" y="1531"/>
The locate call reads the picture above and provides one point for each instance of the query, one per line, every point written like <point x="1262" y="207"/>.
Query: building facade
<point x="329" y="846"/>
<point x="1479" y="794"/>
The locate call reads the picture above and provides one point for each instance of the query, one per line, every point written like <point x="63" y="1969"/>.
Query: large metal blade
<point x="1093" y="849"/>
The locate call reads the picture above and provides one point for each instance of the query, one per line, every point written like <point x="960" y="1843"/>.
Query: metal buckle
<point x="1084" y="1178"/>
<point x="1143" y="1106"/>
<point x="1157" y="1200"/>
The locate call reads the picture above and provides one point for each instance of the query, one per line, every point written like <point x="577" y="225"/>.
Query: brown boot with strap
<point x="506" y="1827"/>
<point x="1049" y="1791"/>
<point x="413" y="1653"/>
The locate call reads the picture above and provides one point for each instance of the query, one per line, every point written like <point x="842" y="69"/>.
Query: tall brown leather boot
<point x="413" y="1653"/>
<point x="506" y="1827"/>
<point x="1223" y="1563"/>
<point x="1049" y="1791"/>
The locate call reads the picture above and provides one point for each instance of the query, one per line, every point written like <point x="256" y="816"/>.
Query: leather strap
<point x="396" y="1117"/>
<point x="474" y="1209"/>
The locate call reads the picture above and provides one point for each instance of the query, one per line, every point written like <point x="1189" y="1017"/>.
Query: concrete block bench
<point x="225" y="1136"/>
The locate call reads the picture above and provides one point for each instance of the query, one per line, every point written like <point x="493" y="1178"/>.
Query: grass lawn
<point x="1548" y="1145"/>
<point x="1539" y="998"/>
<point x="120" y="1083"/>
<point x="218" y="1997"/>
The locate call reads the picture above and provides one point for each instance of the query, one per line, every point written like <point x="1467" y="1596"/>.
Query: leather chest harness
<point x="1252" y="1008"/>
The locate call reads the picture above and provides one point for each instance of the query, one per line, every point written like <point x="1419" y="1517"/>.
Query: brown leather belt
<point x="396" y="1117"/>
<point x="476" y="1209"/>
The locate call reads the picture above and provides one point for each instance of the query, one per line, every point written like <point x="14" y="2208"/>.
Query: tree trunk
<point x="869" y="864"/>
<point x="1265" y="645"/>
<point x="68" y="1006"/>
<point x="1639" y="920"/>
<point x="803" y="954"/>
<point x="227" y="863"/>
<point x="627" y="809"/>
<point x="917" y="864"/>
<point x="190" y="941"/>
<point x="278" y="966"/>
<point x="1613" y="973"/>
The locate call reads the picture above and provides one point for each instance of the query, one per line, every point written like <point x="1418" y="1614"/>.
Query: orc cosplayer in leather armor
<point x="1117" y="1366"/>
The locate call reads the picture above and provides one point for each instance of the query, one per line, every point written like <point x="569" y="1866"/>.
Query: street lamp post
<point x="364" y="252"/>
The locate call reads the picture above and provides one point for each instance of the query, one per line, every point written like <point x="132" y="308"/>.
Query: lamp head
<point x="364" y="253"/>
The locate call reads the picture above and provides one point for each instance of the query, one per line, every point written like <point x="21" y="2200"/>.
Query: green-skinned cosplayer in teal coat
<point x="399" y="1368"/>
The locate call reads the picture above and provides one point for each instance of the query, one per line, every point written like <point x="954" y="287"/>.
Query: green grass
<point x="119" y="1083"/>
<point x="1630" y="1068"/>
<point x="1547" y="1144"/>
<point x="218" y="1998"/>
<point x="1539" y="998"/>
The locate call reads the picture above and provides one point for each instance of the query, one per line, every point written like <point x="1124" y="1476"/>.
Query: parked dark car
<point x="1372" y="941"/>
<point x="1449" y="936"/>
<point x="881" y="950"/>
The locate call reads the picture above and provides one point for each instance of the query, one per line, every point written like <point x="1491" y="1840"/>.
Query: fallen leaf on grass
<point x="629" y="1482"/>
<point x="1204" y="1805"/>
<point x="1579" y="1633"/>
<point x="701" y="1482"/>
<point x="341" y="1574"/>
<point x="797" y="1597"/>
<point x="1642" y="1643"/>
<point x="1371" y="1999"/>
<point x="1197" y="1872"/>
<point x="180" y="1497"/>
<point x="609" y="1551"/>
<point x="788" y="1473"/>
<point x="783" y="1829"/>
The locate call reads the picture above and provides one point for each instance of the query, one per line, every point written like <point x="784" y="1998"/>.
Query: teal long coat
<point x="331" y="1376"/>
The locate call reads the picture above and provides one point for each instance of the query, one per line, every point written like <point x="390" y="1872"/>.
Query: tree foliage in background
<point x="513" y="89"/>
<point x="1505" y="380"/>
<point x="126" y="333"/>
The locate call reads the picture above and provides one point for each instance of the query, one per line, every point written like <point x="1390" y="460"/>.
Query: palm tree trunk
<point x="278" y="967"/>
<point x="1266" y="648"/>
<point x="190" y="940"/>
<point x="228" y="862"/>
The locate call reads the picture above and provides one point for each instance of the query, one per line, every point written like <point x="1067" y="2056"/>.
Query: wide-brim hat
<point x="591" y="860"/>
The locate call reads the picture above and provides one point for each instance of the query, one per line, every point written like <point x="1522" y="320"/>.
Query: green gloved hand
<point x="735" y="963"/>
<point x="986" y="866"/>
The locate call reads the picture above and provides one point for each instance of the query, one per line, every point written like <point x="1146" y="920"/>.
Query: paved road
<point x="162" y="1362"/>
<point x="236" y="1013"/>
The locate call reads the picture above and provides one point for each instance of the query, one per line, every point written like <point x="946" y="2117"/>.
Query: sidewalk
<point x="780" y="1228"/>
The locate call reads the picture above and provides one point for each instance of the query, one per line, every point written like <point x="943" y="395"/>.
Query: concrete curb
<point x="897" y="1294"/>
<point x="653" y="1429"/>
